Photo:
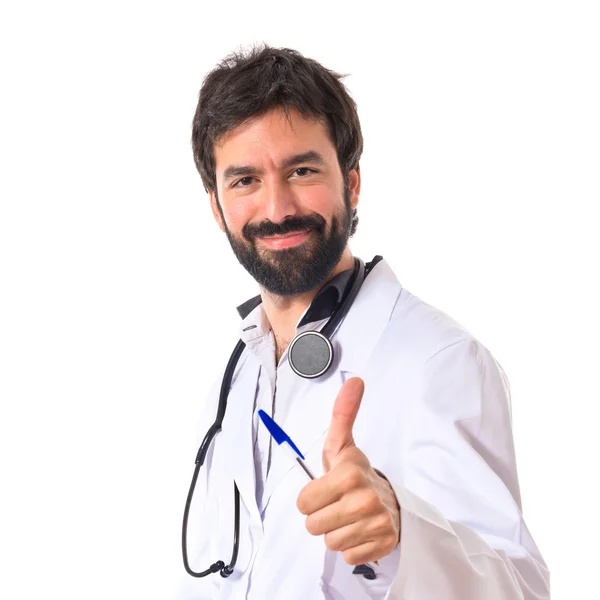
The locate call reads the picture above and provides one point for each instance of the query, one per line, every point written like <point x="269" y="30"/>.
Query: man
<point x="409" y="430"/>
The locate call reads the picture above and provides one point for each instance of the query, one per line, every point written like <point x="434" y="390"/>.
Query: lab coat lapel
<point x="237" y="432"/>
<point x="308" y="420"/>
<point x="359" y="333"/>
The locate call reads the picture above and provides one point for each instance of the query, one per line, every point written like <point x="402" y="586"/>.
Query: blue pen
<point x="284" y="441"/>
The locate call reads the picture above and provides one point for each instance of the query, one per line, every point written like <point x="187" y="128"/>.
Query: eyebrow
<point x="311" y="156"/>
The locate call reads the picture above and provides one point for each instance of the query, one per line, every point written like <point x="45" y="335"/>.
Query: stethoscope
<point x="310" y="355"/>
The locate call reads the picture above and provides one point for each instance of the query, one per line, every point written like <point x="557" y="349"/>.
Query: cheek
<point x="237" y="214"/>
<point x="324" y="201"/>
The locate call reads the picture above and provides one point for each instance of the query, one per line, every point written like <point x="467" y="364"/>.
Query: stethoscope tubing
<point x="215" y="428"/>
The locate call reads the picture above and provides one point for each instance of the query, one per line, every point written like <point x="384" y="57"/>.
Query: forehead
<point x="273" y="137"/>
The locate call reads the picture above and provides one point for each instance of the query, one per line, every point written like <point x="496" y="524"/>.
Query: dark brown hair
<point x="246" y="85"/>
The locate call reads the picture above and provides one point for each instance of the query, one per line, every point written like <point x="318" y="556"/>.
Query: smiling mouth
<point x="285" y="241"/>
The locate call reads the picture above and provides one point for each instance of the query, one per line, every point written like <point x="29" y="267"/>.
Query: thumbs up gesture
<point x="352" y="505"/>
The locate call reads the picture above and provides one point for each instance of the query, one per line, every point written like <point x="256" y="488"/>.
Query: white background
<point x="118" y="292"/>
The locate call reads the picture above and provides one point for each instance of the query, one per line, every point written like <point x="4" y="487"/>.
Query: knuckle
<point x="387" y="544"/>
<point x="372" y="501"/>
<point x="306" y="497"/>
<point x="353" y="477"/>
<point x="351" y="557"/>
<point x="312" y="526"/>
<point x="303" y="501"/>
<point x="361" y="504"/>
<point x="301" y="504"/>
<point x="383" y="522"/>
<point x="355" y="509"/>
<point x="368" y="501"/>
<point x="331" y="542"/>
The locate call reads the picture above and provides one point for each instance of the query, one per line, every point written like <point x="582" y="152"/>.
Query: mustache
<point x="289" y="225"/>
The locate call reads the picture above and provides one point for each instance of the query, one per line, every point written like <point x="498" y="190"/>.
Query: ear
<point x="354" y="183"/>
<point x="216" y="210"/>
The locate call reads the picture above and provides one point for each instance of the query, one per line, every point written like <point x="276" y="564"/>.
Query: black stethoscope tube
<point x="220" y="566"/>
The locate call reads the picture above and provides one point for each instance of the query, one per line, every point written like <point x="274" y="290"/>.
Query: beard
<point x="299" y="269"/>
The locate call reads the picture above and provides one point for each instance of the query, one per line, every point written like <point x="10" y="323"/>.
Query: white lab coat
<point x="435" y="419"/>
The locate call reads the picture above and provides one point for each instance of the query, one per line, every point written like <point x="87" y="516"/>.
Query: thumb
<point x="345" y="409"/>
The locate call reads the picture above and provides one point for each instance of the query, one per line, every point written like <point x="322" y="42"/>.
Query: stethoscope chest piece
<point x="310" y="354"/>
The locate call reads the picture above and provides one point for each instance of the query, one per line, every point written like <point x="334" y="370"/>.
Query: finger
<point x="316" y="495"/>
<point x="328" y="489"/>
<point x="328" y="518"/>
<point x="351" y="508"/>
<point x="364" y="553"/>
<point x="356" y="552"/>
<point x="345" y="409"/>
<point x="348" y="536"/>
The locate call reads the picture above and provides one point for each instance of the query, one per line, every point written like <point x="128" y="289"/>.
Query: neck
<point x="284" y="312"/>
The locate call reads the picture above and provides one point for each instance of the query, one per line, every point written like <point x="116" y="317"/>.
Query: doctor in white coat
<point x="408" y="432"/>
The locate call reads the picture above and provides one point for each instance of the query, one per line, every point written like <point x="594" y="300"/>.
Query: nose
<point x="278" y="200"/>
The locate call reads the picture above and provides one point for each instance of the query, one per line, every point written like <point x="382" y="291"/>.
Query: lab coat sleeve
<point x="462" y="531"/>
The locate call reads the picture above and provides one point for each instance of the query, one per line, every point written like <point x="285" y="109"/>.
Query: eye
<point x="245" y="181"/>
<point x="303" y="171"/>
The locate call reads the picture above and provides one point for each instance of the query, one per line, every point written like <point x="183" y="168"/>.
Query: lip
<point x="285" y="241"/>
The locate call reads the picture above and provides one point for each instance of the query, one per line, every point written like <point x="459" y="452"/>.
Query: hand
<point x="351" y="504"/>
